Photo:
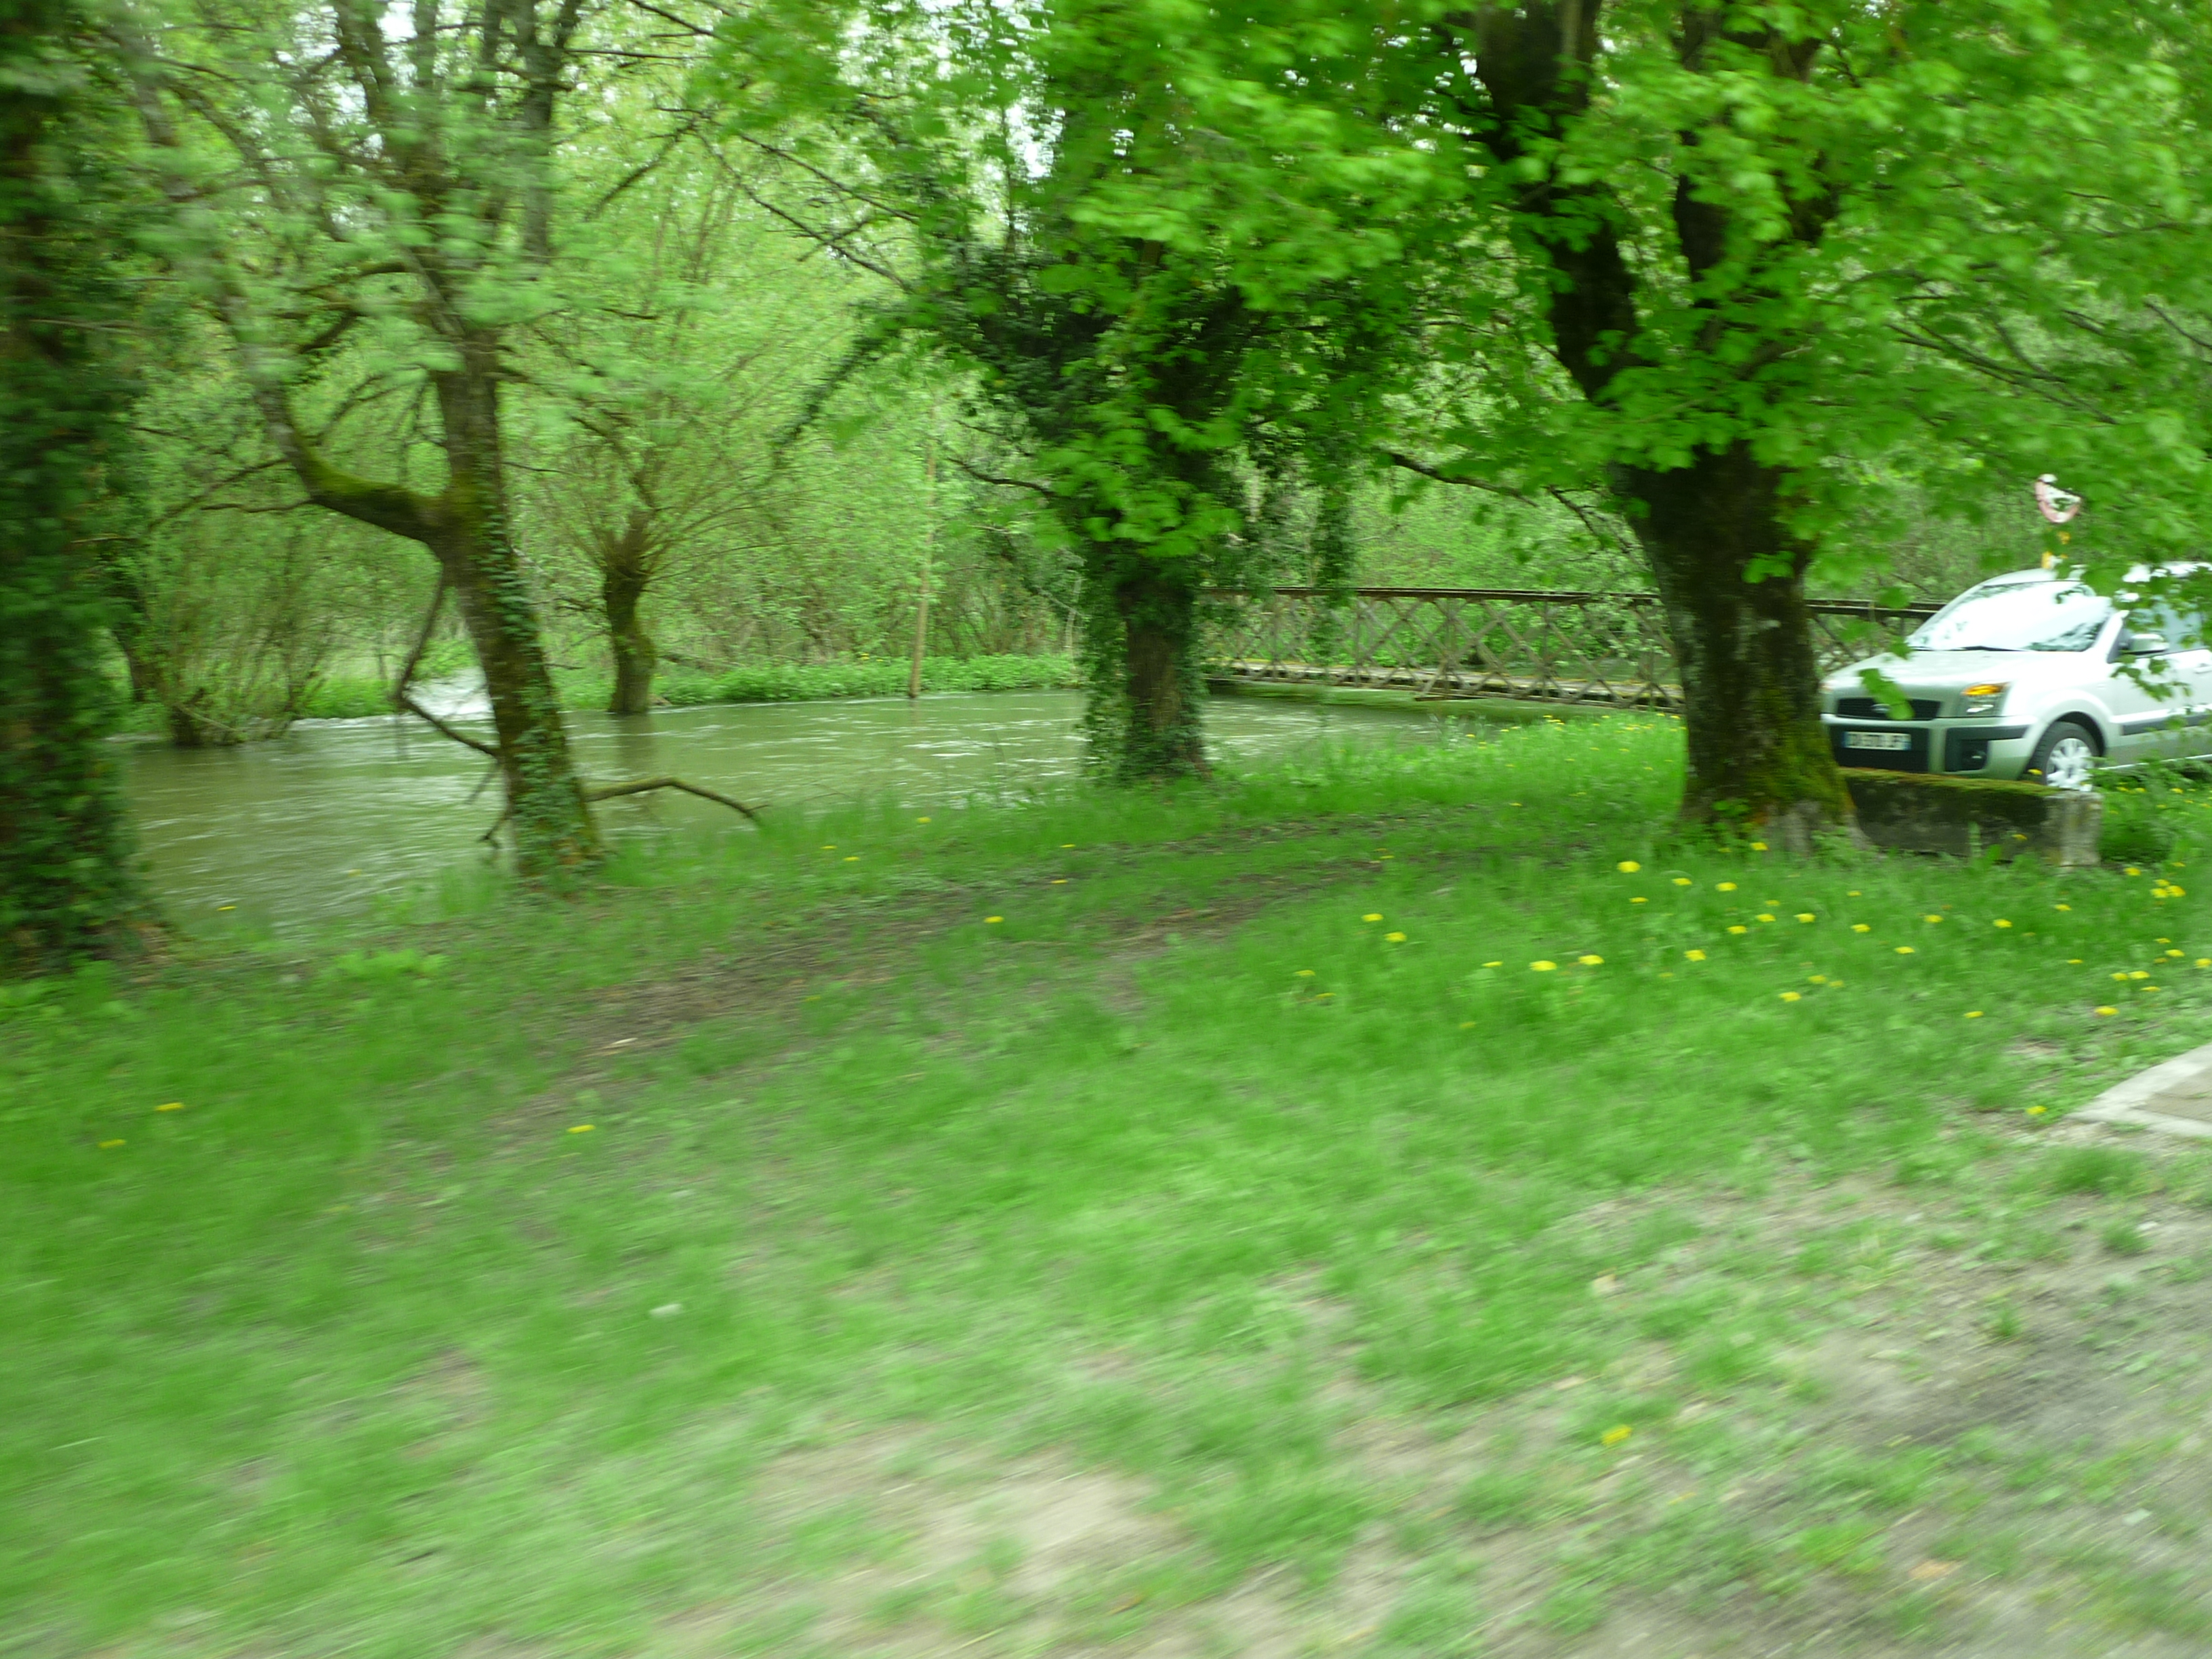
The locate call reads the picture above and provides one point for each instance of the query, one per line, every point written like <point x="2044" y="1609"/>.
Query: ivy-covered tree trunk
<point x="1751" y="682"/>
<point x="546" y="809"/>
<point x="1163" y="733"/>
<point x="65" y="888"/>
<point x="623" y="576"/>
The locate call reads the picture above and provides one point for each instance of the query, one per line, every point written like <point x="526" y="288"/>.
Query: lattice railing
<point x="1609" y="649"/>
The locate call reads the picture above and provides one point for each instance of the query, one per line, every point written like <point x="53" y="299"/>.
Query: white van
<point x="2023" y="676"/>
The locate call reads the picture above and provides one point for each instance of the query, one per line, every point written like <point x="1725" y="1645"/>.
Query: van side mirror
<point x="2145" y="644"/>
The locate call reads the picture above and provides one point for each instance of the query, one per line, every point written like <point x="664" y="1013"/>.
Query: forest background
<point x="696" y="339"/>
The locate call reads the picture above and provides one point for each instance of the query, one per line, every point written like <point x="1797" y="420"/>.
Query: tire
<point x="2065" y="758"/>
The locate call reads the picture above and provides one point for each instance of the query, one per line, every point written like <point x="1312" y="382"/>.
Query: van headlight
<point x="1984" y="699"/>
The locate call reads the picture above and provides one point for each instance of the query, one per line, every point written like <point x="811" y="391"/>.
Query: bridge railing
<point x="1534" y="644"/>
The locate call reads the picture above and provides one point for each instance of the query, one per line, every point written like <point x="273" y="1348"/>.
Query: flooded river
<point x="324" y="822"/>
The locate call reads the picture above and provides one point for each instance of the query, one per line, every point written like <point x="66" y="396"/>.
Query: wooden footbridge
<point x="1607" y="650"/>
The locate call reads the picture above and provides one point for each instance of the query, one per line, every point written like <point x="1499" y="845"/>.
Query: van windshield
<point x="2016" y="615"/>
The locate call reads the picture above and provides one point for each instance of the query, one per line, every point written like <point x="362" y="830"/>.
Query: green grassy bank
<point x="1403" y="1204"/>
<point x="345" y="697"/>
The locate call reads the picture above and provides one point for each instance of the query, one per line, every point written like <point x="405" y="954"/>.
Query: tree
<point x="65" y="887"/>
<point x="666" y="396"/>
<point x="1711" y="212"/>
<point x="395" y="189"/>
<point x="1157" y="311"/>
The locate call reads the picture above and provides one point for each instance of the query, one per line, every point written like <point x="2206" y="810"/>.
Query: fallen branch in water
<point x="608" y="792"/>
<point x="406" y="704"/>
<point x="423" y="714"/>
<point x="639" y="787"/>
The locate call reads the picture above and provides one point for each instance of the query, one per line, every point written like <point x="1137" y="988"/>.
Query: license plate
<point x="1877" y="740"/>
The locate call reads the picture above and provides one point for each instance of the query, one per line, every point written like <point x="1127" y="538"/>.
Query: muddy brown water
<point x="340" y="815"/>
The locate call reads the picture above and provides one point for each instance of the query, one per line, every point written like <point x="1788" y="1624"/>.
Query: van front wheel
<point x="2065" y="758"/>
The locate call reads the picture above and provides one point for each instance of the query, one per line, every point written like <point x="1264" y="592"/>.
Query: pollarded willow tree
<point x="1156" y="308"/>
<point x="667" y="392"/>
<point x="354" y="182"/>
<point x="65" y="887"/>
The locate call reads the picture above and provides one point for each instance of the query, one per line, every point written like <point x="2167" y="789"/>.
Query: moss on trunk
<point x="1732" y="578"/>
<point x="1162" y="736"/>
<point x="65" y="884"/>
<point x="551" y="823"/>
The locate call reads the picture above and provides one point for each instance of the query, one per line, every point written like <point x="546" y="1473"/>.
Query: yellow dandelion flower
<point x="1493" y="964"/>
<point x="1067" y="846"/>
<point x="1758" y="847"/>
<point x="1542" y="967"/>
<point x="2062" y="907"/>
<point x="1818" y="979"/>
<point x="1904" y="950"/>
<point x="1931" y="918"/>
<point x="1683" y="881"/>
<point x="852" y="858"/>
<point x="1793" y="996"/>
<point x="922" y="820"/>
<point x="172" y="1106"/>
<point x="2000" y="922"/>
<point x="2073" y="961"/>
<point x="1973" y="1013"/>
<point x="1804" y="916"/>
<point x="1763" y="917"/>
<point x="830" y="848"/>
<point x="2108" y="1011"/>
<point x="582" y="1128"/>
<point x="2176" y="953"/>
<point x="1591" y="962"/>
<point x="2171" y="891"/>
<point x="1628" y="866"/>
<point x="1739" y="928"/>
<point x="2131" y="871"/>
<point x="1396" y="938"/>
<point x="2138" y="973"/>
<point x="1636" y="901"/>
<point x="992" y="921"/>
<point x="1306" y="973"/>
<point x="1613" y="1437"/>
<point x="1693" y="956"/>
<point x="1372" y="916"/>
<point x="109" y="1146"/>
<point x="2037" y="1111"/>
<point x="1727" y="886"/>
<point x="1859" y="928"/>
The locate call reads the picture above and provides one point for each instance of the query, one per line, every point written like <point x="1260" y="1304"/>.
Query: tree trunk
<point x="1161" y="736"/>
<point x="65" y="885"/>
<point x="553" y="827"/>
<point x="187" y="729"/>
<point x="623" y="575"/>
<point x="1751" y="682"/>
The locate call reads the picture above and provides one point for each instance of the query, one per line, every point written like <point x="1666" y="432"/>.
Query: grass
<point x="345" y="697"/>
<point x="1317" y="1180"/>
